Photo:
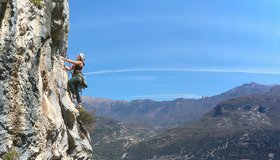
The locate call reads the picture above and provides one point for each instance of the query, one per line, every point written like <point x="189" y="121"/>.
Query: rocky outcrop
<point x="37" y="118"/>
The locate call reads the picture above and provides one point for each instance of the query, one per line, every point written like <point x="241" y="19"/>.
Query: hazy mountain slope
<point x="243" y="128"/>
<point x="166" y="112"/>
<point x="111" y="139"/>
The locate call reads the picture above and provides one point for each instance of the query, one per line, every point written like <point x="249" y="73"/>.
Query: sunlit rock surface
<point x="37" y="118"/>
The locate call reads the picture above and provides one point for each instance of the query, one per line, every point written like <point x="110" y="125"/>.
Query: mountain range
<point x="166" y="113"/>
<point x="233" y="125"/>
<point x="247" y="127"/>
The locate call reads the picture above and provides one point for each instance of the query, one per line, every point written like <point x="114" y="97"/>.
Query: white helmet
<point x="83" y="56"/>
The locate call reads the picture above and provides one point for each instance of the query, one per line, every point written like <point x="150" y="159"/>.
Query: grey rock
<point x="37" y="117"/>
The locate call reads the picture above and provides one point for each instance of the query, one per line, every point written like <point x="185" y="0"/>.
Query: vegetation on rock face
<point x="88" y="119"/>
<point x="11" y="155"/>
<point x="37" y="3"/>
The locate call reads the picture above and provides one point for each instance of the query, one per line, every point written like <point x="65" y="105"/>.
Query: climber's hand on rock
<point x="67" y="68"/>
<point x="63" y="58"/>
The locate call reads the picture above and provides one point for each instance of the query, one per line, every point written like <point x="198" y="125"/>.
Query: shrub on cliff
<point x="37" y="3"/>
<point x="11" y="155"/>
<point x="88" y="119"/>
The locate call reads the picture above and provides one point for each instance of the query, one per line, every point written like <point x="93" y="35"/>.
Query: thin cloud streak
<point x="170" y="96"/>
<point x="248" y="71"/>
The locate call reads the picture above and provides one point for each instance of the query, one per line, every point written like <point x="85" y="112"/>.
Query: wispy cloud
<point x="168" y="96"/>
<point x="141" y="78"/>
<point x="213" y="70"/>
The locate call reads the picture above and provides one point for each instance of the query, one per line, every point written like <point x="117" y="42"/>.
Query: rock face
<point x="37" y="118"/>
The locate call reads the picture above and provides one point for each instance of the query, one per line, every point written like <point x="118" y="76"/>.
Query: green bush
<point x="88" y="119"/>
<point x="37" y="3"/>
<point x="11" y="155"/>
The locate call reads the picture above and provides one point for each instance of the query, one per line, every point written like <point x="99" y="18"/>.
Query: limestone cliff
<point x="37" y="118"/>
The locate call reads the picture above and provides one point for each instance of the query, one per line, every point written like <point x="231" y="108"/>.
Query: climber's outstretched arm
<point x="72" y="62"/>
<point x="69" y="68"/>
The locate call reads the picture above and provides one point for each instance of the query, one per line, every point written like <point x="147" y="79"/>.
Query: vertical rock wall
<point x="37" y="118"/>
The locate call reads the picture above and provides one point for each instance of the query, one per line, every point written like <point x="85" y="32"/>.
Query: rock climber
<point x="74" y="84"/>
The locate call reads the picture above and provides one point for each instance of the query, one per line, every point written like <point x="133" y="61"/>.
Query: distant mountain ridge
<point x="246" y="127"/>
<point x="166" y="113"/>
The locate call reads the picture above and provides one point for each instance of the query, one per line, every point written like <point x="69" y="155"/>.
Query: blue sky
<point x="166" y="49"/>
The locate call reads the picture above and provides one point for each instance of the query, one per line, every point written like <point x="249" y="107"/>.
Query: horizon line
<point x="211" y="70"/>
